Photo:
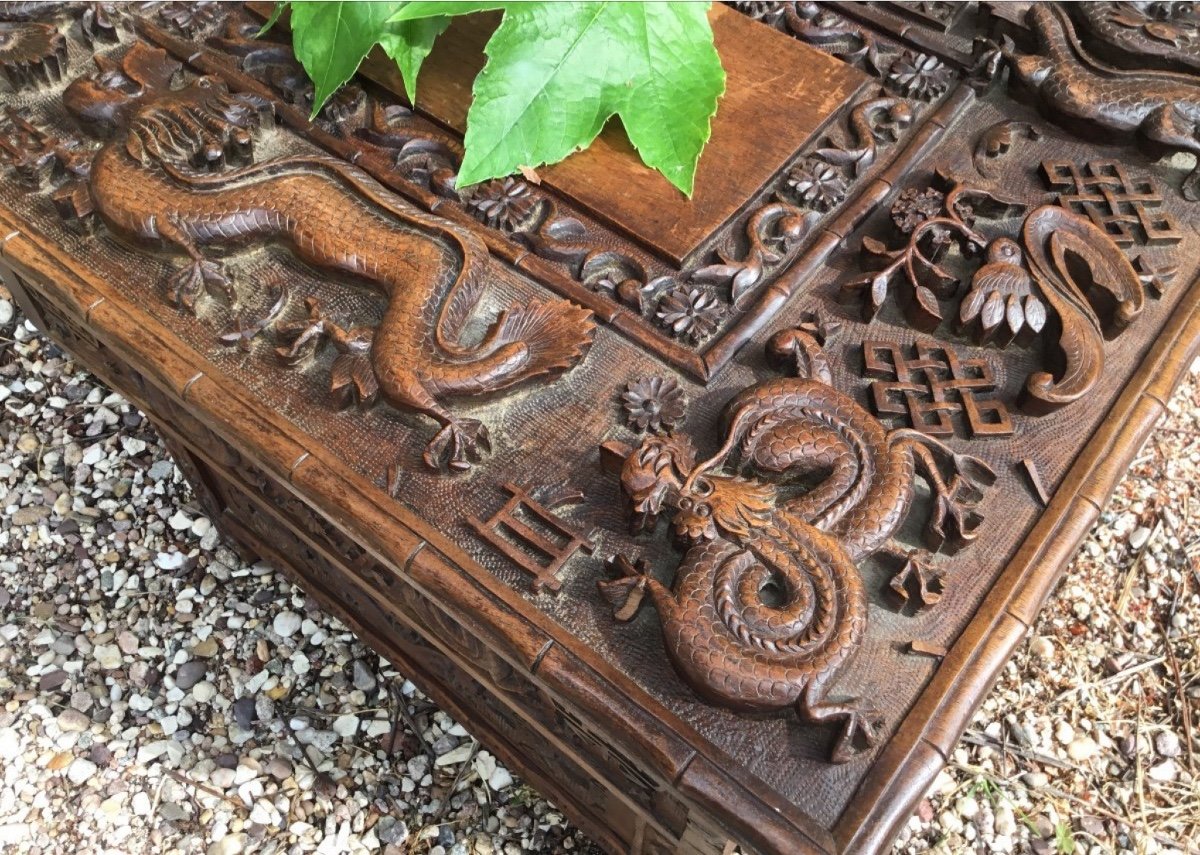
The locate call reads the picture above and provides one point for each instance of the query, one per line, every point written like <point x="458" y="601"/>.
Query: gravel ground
<point x="160" y="695"/>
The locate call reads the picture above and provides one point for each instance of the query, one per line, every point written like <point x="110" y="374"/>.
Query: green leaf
<point x="668" y="115"/>
<point x="332" y="38"/>
<point x="418" y="9"/>
<point x="408" y="43"/>
<point x="273" y="20"/>
<point x="556" y="72"/>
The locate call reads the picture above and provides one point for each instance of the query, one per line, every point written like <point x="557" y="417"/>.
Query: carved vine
<point x="1050" y="268"/>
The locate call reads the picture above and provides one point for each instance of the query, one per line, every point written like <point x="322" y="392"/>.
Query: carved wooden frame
<point x="924" y="740"/>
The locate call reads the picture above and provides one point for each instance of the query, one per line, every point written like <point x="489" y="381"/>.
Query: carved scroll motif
<point x="179" y="170"/>
<point x="768" y="604"/>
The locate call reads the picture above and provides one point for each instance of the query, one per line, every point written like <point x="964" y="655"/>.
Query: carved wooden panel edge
<point x="456" y="690"/>
<point x="518" y="687"/>
<point x="1026" y="583"/>
<point x="679" y="312"/>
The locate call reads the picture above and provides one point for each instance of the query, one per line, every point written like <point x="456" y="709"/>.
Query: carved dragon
<point x="163" y="177"/>
<point x="768" y="603"/>
<point x="1160" y="107"/>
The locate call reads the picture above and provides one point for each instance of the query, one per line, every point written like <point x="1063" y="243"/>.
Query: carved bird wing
<point x="1069" y="256"/>
<point x="1001" y="291"/>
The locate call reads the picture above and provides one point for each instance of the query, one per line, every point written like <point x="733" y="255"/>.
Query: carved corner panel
<point x="757" y="494"/>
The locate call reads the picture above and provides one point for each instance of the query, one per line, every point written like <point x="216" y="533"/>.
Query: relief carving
<point x="1159" y="109"/>
<point x="1141" y="33"/>
<point x="1041" y="288"/>
<point x="768" y="603"/>
<point x="1126" y="208"/>
<point x="529" y="533"/>
<point x="166" y="177"/>
<point x="933" y="387"/>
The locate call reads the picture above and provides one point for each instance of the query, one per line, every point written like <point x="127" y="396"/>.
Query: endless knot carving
<point x="1113" y="201"/>
<point x="932" y="387"/>
<point x="768" y="603"/>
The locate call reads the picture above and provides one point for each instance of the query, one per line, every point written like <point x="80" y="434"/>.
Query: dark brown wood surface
<point x="897" y="432"/>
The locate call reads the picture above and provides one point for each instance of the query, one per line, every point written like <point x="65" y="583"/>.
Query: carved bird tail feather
<point x="1054" y="239"/>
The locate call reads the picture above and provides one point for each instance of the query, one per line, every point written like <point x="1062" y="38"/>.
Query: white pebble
<point x="286" y="624"/>
<point x="501" y="779"/>
<point x="345" y="726"/>
<point x="10" y="744"/>
<point x="80" y="770"/>
<point x="108" y="655"/>
<point x="1081" y="749"/>
<point x="140" y="804"/>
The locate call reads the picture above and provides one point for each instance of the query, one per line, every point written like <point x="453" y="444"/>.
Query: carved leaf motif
<point x="928" y="303"/>
<point x="878" y="248"/>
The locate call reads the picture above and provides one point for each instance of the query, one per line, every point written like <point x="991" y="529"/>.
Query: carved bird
<point x="1003" y="301"/>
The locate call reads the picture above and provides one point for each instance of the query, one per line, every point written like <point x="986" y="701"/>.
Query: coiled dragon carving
<point x="164" y="177"/>
<point x="769" y="603"/>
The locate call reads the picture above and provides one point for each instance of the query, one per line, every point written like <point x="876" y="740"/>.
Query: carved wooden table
<point x="714" y="519"/>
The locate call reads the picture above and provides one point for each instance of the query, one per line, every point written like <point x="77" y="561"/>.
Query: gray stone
<point x="189" y="674"/>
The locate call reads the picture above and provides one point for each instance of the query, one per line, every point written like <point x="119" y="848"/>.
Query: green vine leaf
<point x="331" y="40"/>
<point x="556" y="72"/>
<point x="408" y="43"/>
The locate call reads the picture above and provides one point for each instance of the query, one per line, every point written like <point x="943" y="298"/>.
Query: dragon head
<point x="105" y="100"/>
<point x="663" y="472"/>
<point x="200" y="124"/>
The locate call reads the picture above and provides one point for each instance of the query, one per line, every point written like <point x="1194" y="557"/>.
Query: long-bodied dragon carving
<point x="768" y="603"/>
<point x="163" y="177"/>
<point x="1161" y="108"/>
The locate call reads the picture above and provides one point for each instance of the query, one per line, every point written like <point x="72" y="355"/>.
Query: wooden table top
<point x="765" y="487"/>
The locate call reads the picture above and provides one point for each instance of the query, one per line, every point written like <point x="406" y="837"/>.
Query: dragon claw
<point x="458" y="444"/>
<point x="860" y="722"/>
<point x="200" y="277"/>
<point x="918" y="567"/>
<point x="862" y="726"/>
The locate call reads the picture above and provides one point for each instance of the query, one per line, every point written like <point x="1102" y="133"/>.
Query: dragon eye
<point x="704" y="510"/>
<point x="685" y="504"/>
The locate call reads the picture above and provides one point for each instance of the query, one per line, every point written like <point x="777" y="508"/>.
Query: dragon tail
<point x="556" y="334"/>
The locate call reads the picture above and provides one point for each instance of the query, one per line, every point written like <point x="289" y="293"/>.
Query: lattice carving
<point x="531" y="536"/>
<point x="934" y="386"/>
<point x="1125" y="207"/>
